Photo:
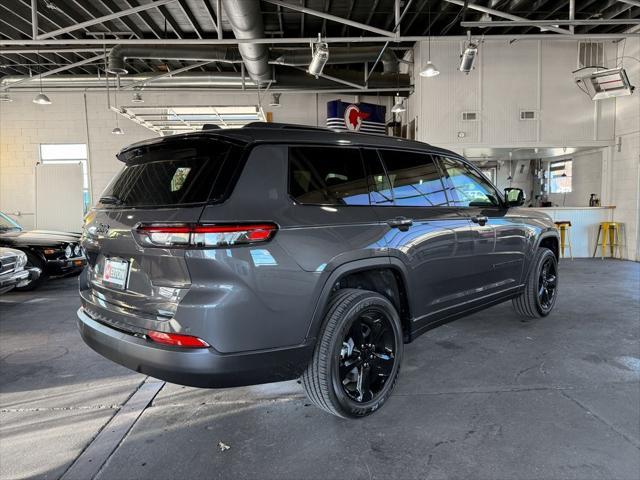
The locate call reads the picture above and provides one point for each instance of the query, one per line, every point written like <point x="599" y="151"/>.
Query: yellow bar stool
<point x="564" y="226"/>
<point x="609" y="231"/>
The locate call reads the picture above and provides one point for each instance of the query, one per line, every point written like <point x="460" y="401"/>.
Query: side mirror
<point x="514" y="197"/>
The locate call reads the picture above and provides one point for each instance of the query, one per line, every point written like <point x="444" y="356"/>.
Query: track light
<point x="117" y="131"/>
<point x="468" y="55"/>
<point x="319" y="58"/>
<point x="5" y="98"/>
<point x="399" y="106"/>
<point x="275" y="100"/>
<point x="41" y="99"/>
<point x="430" y="70"/>
<point x="137" y="98"/>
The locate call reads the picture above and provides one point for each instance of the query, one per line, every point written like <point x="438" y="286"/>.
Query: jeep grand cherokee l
<point x="235" y="257"/>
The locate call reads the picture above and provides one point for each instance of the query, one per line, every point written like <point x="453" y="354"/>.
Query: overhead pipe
<point x="120" y="53"/>
<point x="245" y="18"/>
<point x="338" y="55"/>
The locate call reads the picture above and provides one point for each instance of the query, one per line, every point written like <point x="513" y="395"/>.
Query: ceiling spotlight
<point x="430" y="70"/>
<point x="319" y="58"/>
<point x="41" y="99"/>
<point x="117" y="131"/>
<point x="399" y="106"/>
<point x="137" y="98"/>
<point x="468" y="57"/>
<point x="275" y="100"/>
<point x="5" y="98"/>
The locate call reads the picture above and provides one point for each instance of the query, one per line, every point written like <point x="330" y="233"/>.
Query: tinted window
<point x="327" y="176"/>
<point x="179" y="175"/>
<point x="415" y="179"/>
<point x="465" y="187"/>
<point x="379" y="186"/>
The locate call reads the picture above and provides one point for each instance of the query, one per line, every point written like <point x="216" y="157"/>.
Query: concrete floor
<point x="486" y="397"/>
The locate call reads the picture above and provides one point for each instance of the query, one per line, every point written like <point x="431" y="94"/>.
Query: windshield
<point x="7" y="224"/>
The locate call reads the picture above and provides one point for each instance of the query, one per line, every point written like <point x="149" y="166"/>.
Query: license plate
<point x="115" y="273"/>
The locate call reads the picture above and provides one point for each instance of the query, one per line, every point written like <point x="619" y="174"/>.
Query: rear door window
<point x="414" y="178"/>
<point x="173" y="175"/>
<point x="327" y="176"/>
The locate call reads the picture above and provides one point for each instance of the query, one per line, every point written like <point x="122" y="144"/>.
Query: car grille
<point x="7" y="265"/>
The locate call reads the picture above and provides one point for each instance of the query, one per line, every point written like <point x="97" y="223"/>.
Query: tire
<point x="348" y="380"/>
<point x="34" y="261"/>
<point x="539" y="296"/>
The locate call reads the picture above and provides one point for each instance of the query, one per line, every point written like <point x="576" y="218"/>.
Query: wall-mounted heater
<point x="607" y="83"/>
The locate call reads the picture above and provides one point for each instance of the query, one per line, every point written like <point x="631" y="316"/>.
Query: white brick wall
<point x="24" y="126"/>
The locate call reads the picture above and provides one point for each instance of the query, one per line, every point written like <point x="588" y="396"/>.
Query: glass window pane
<point x="327" y="176"/>
<point x="414" y="178"/>
<point x="63" y="151"/>
<point x="466" y="188"/>
<point x="560" y="176"/>
<point x="379" y="186"/>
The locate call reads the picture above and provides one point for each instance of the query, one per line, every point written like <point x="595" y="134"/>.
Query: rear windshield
<point x="181" y="174"/>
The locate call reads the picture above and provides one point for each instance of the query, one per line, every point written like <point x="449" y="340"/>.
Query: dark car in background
<point x="272" y="252"/>
<point x="12" y="270"/>
<point x="53" y="253"/>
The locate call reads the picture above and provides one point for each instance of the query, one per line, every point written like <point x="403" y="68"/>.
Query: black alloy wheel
<point x="367" y="356"/>
<point x="547" y="283"/>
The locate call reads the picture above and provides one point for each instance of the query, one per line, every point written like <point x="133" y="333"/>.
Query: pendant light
<point x="41" y="98"/>
<point x="117" y="130"/>
<point x="430" y="70"/>
<point x="399" y="106"/>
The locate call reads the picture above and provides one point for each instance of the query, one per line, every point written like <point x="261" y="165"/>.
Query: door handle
<point x="401" y="223"/>
<point x="480" y="220"/>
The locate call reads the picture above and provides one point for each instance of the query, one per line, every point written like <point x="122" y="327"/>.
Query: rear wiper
<point x="111" y="200"/>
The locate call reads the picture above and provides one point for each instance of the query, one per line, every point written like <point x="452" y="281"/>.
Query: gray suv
<point x="272" y="252"/>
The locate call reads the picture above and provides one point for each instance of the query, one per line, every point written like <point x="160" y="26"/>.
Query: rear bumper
<point x="193" y="367"/>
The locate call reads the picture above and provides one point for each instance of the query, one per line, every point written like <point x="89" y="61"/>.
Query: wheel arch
<point x="386" y="276"/>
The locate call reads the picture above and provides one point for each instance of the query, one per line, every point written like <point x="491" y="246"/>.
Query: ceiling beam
<point x="106" y="18"/>
<point x="56" y="70"/>
<point x="333" y="18"/>
<point x="544" y="23"/>
<point x="635" y="3"/>
<point x="498" y="13"/>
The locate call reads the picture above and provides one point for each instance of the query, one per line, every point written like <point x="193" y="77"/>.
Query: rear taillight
<point x="197" y="235"/>
<point x="177" y="339"/>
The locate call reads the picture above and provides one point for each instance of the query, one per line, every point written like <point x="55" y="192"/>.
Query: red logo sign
<point x="353" y="117"/>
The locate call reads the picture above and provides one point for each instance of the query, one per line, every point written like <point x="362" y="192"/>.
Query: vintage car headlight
<point x="21" y="261"/>
<point x="76" y="250"/>
<point x="68" y="252"/>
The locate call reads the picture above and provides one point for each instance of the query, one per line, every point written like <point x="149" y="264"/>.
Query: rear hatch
<point x="168" y="181"/>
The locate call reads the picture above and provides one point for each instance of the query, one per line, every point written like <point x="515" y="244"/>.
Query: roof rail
<point x="283" y="126"/>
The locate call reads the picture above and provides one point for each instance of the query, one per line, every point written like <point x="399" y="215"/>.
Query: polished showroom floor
<point x="486" y="397"/>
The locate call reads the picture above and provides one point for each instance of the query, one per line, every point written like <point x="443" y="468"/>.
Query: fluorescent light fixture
<point x="117" y="131"/>
<point x="275" y="100"/>
<point x="137" y="98"/>
<point x="430" y="70"/>
<point x="607" y="84"/>
<point x="468" y="57"/>
<point x="5" y="98"/>
<point x="318" y="59"/>
<point x="41" y="99"/>
<point x="399" y="106"/>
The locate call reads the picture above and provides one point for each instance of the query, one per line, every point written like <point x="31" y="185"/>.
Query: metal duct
<point x="245" y="18"/>
<point x="340" y="55"/>
<point x="119" y="53"/>
<point x="287" y="80"/>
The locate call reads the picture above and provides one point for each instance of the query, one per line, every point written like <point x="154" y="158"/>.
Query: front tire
<point x="356" y="361"/>
<point x="541" y="289"/>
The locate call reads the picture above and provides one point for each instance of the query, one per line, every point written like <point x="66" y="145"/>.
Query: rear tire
<point x="356" y="361"/>
<point x="33" y="261"/>
<point x="541" y="289"/>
